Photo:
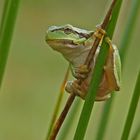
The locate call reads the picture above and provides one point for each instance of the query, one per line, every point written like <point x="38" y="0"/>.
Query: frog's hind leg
<point x="109" y="68"/>
<point x="103" y="98"/>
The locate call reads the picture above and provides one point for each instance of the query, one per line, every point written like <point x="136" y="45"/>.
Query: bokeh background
<point x="34" y="71"/>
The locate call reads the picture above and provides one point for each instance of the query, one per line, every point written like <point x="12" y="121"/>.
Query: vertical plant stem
<point x="61" y="118"/>
<point x="130" y="24"/>
<point x="70" y="119"/>
<point x="132" y="110"/>
<point x="6" y="32"/>
<point x="58" y="103"/>
<point x="123" y="50"/>
<point x="104" y="119"/>
<point x="90" y="98"/>
<point x="4" y="14"/>
<point x="136" y="134"/>
<point x="96" y="78"/>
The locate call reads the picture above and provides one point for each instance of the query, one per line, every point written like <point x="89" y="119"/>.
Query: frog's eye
<point x="81" y="36"/>
<point x="85" y="35"/>
<point x="67" y="31"/>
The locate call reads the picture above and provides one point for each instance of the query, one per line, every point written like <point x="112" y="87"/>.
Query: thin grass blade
<point x="6" y="32"/>
<point x="136" y="135"/>
<point x="90" y="98"/>
<point x="4" y="14"/>
<point x="58" y="103"/>
<point x="132" y="110"/>
<point x="130" y="24"/>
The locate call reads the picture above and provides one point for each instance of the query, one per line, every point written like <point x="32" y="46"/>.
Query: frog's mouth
<point x="62" y="43"/>
<point x="66" y="47"/>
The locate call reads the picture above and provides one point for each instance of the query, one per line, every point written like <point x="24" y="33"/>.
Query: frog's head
<point x="67" y="39"/>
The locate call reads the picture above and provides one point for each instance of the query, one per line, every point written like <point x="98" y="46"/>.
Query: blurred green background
<point x="34" y="72"/>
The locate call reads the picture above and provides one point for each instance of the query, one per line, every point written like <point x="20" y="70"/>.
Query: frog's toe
<point x="83" y="69"/>
<point x="74" y="87"/>
<point x="81" y="72"/>
<point x="80" y="76"/>
<point x="68" y="87"/>
<point x="99" y="33"/>
<point x="103" y="98"/>
<point x="77" y="90"/>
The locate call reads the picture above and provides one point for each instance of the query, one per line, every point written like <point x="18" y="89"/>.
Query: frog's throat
<point x="77" y="57"/>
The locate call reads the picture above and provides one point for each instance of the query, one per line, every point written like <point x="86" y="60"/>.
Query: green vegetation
<point x="6" y="32"/>
<point x="89" y="102"/>
<point x="132" y="110"/>
<point x="34" y="72"/>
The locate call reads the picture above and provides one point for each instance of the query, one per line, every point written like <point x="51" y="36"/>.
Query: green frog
<point x="74" y="44"/>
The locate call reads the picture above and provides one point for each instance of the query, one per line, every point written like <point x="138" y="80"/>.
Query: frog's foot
<point x="103" y="98"/>
<point x="99" y="33"/>
<point x="74" y="87"/>
<point x="81" y="72"/>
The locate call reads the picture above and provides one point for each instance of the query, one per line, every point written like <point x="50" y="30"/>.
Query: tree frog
<point x="74" y="44"/>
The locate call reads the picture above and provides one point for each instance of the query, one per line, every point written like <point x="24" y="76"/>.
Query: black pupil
<point x="68" y="31"/>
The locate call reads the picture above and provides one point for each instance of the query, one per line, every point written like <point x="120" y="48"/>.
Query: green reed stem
<point x="96" y="78"/>
<point x="6" y="32"/>
<point x="132" y="110"/>
<point x="58" y="103"/>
